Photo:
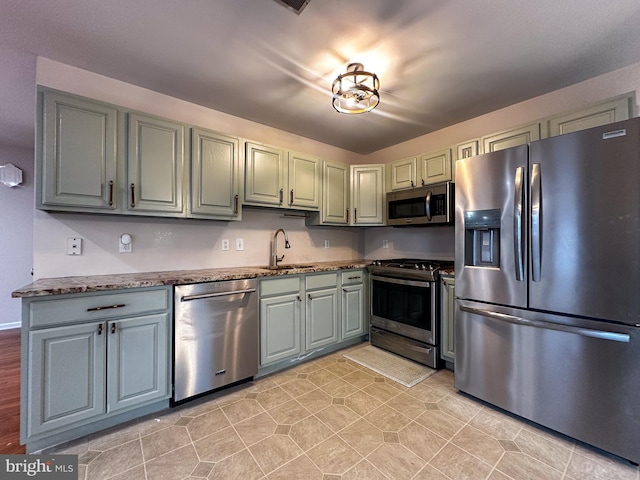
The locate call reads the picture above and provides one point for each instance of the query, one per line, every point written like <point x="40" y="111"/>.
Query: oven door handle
<point x="400" y="281"/>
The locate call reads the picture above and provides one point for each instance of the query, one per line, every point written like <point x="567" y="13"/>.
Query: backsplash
<point x="175" y="244"/>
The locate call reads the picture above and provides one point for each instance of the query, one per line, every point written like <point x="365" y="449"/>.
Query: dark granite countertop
<point x="97" y="283"/>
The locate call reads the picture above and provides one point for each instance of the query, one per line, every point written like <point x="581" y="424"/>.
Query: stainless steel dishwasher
<point x="215" y="336"/>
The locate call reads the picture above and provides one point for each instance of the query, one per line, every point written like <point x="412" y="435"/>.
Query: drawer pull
<point x="353" y="278"/>
<point x="97" y="309"/>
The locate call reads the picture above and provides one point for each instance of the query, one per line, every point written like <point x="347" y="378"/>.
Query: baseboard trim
<point x="10" y="326"/>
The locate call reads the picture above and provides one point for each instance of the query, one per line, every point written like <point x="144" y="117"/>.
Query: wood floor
<point x="10" y="392"/>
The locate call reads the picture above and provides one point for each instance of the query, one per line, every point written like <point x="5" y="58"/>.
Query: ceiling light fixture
<point x="356" y="91"/>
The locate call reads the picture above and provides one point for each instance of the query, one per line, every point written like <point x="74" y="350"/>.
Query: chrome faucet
<point x="273" y="263"/>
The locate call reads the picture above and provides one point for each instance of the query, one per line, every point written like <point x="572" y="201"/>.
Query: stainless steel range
<point x="405" y="307"/>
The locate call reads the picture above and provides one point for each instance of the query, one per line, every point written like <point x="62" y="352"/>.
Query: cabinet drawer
<point x="289" y="284"/>
<point x="352" y="276"/>
<point x="89" y="307"/>
<point x="323" y="280"/>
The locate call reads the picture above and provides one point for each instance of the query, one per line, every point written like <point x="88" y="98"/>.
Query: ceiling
<point x="439" y="62"/>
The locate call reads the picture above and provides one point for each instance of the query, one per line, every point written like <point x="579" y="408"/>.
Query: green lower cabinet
<point x="279" y="327"/>
<point x="67" y="381"/>
<point x="447" y="309"/>
<point x="137" y="361"/>
<point x="331" y="316"/>
<point x="322" y="317"/>
<point x="90" y="359"/>
<point x="353" y="311"/>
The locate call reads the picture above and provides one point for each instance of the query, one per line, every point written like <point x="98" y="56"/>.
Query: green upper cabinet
<point x="427" y="169"/>
<point x="463" y="150"/>
<point x="264" y="175"/>
<point x="511" y="138"/>
<point x="155" y="165"/>
<point x="435" y="167"/>
<point x="76" y="156"/>
<point x="335" y="196"/>
<point x="403" y="173"/>
<point x="367" y="195"/>
<point x="270" y="181"/>
<point x="612" y="110"/>
<point x="305" y="177"/>
<point x="215" y="176"/>
<point x="466" y="149"/>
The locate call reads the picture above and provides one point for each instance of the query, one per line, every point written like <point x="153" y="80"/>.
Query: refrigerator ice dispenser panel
<point x="482" y="238"/>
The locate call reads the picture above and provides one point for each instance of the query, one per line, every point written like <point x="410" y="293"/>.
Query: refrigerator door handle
<point x="536" y="213"/>
<point x="517" y="224"/>
<point x="585" y="332"/>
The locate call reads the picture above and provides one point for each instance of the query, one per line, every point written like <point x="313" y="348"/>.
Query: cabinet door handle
<point x="113" y="327"/>
<point x="236" y="204"/>
<point x="347" y="215"/>
<point x="133" y="195"/>
<point x="291" y="197"/>
<point x="309" y="296"/>
<point x="110" y="193"/>
<point x="412" y="184"/>
<point x="100" y="329"/>
<point x="96" y="309"/>
<point x="345" y="290"/>
<point x="281" y="194"/>
<point x="423" y="182"/>
<point x="299" y="299"/>
<point x="355" y="215"/>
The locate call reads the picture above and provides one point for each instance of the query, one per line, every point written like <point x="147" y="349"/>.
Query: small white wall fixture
<point x="10" y="175"/>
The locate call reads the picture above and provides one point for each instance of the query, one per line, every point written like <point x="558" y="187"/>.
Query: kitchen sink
<point x="289" y="267"/>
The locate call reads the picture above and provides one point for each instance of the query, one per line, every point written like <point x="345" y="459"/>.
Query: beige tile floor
<point x="332" y="419"/>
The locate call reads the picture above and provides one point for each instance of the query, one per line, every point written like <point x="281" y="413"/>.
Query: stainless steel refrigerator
<point x="548" y="283"/>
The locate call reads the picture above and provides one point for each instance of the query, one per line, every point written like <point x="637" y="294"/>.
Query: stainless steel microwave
<point x="422" y="206"/>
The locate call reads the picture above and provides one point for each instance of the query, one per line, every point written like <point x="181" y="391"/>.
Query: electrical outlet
<point x="327" y="244"/>
<point x="239" y="244"/>
<point x="385" y="243"/>
<point x="225" y="244"/>
<point x="74" y="246"/>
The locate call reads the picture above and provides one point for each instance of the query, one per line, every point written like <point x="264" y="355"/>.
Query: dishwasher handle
<point x="188" y="298"/>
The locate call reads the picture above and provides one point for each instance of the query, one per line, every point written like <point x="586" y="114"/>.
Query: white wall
<point x="16" y="234"/>
<point x="176" y="244"/>
<point x="438" y="244"/>
<point x="17" y="77"/>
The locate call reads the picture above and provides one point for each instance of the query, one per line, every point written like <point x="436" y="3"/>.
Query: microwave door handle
<point x="517" y="224"/>
<point x="536" y="214"/>
<point x="427" y="205"/>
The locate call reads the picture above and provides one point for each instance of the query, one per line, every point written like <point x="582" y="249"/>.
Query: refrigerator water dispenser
<point x="482" y="238"/>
